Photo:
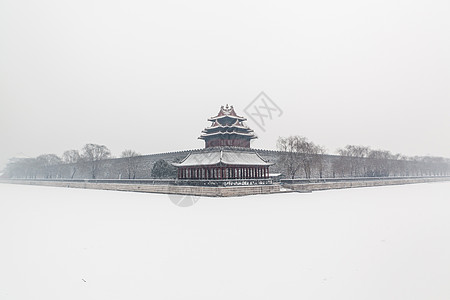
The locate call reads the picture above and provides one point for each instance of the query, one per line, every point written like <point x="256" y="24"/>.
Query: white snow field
<point x="368" y="243"/>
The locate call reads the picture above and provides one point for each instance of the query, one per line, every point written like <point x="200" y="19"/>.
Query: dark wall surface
<point x="331" y="166"/>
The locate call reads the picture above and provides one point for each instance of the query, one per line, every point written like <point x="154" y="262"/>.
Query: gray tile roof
<point x="227" y="157"/>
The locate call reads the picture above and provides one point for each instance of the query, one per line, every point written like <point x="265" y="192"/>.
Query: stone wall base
<point x="309" y="187"/>
<point x="161" y="189"/>
<point x="231" y="191"/>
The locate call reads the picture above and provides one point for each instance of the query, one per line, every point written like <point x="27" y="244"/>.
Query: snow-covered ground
<point x="369" y="243"/>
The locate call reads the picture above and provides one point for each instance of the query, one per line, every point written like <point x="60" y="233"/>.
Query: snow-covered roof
<point x="227" y="157"/>
<point x="227" y="112"/>
<point x="250" y="134"/>
<point x="237" y="124"/>
<point x="212" y="119"/>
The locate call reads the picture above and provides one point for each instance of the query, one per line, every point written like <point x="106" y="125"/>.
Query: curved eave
<point x="251" y="136"/>
<point x="212" y="119"/>
<point x="227" y="126"/>
<point x="246" y="132"/>
<point x="223" y="158"/>
<point x="222" y="163"/>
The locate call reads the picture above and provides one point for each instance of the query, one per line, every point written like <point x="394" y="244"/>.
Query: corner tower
<point x="227" y="130"/>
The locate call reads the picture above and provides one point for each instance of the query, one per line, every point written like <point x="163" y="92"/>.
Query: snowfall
<point x="366" y="243"/>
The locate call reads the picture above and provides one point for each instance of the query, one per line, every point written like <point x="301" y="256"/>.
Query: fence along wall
<point x="332" y="166"/>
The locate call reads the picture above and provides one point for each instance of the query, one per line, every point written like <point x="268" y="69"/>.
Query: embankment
<point x="229" y="191"/>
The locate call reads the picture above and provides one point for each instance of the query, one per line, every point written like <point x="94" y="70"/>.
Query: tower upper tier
<point x="227" y="130"/>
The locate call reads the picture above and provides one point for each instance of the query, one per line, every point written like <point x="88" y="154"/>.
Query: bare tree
<point x="72" y="158"/>
<point x="94" y="155"/>
<point x="319" y="160"/>
<point x="298" y="153"/>
<point x="308" y="155"/>
<point x="379" y="163"/>
<point x="289" y="156"/>
<point x="355" y="159"/>
<point x="48" y="163"/>
<point x="131" y="161"/>
<point x="339" y="166"/>
<point x="22" y="168"/>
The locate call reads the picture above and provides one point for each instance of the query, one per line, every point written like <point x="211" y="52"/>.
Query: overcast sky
<point x="145" y="75"/>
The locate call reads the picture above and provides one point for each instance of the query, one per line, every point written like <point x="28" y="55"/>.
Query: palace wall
<point x="116" y="168"/>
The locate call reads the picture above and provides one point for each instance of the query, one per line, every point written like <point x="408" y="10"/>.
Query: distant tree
<point x="22" y="168"/>
<point x="94" y="155"/>
<point x="399" y="165"/>
<point x="339" y="166"/>
<point x="72" y="158"/>
<point x="289" y="157"/>
<point x="319" y="160"/>
<point x="309" y="156"/>
<point x="162" y="169"/>
<point x="131" y="161"/>
<point x="298" y="153"/>
<point x="379" y="163"/>
<point x="47" y="163"/>
<point x="355" y="159"/>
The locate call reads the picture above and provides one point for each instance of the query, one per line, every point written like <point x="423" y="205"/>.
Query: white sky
<point x="146" y="75"/>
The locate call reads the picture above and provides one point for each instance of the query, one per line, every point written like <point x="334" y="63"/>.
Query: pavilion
<point x="227" y="154"/>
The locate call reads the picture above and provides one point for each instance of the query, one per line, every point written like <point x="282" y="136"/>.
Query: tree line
<point x="300" y="157"/>
<point x="91" y="156"/>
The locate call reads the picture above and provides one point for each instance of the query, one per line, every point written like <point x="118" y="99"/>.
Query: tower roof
<point x="223" y="156"/>
<point x="227" y="112"/>
<point x="227" y="129"/>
